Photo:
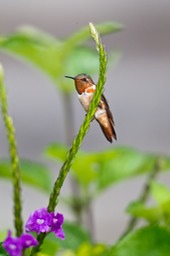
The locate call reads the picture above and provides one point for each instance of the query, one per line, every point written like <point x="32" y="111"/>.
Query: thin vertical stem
<point x="144" y="195"/>
<point x="77" y="207"/>
<point x="10" y="130"/>
<point x="69" y="131"/>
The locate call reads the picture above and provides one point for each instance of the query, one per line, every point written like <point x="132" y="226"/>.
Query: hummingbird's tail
<point x="104" y="117"/>
<point x="107" y="127"/>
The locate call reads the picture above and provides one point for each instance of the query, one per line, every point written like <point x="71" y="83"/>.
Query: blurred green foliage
<point x="160" y="211"/>
<point x="151" y="240"/>
<point x="32" y="173"/>
<point x="94" y="171"/>
<point x="103" y="169"/>
<point x="55" y="57"/>
<point x="2" y="251"/>
<point x="75" y="236"/>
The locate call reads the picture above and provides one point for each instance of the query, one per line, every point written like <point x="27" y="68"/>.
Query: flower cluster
<point x="15" y="245"/>
<point x="42" y="221"/>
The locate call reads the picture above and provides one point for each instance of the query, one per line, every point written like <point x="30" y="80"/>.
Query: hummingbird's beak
<point x="70" y="77"/>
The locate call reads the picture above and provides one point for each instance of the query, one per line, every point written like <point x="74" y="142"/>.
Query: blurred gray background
<point x="137" y="89"/>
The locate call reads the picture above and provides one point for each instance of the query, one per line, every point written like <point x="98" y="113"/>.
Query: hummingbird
<point x="86" y="88"/>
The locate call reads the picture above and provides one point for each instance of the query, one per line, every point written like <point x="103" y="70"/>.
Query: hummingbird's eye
<point x="84" y="79"/>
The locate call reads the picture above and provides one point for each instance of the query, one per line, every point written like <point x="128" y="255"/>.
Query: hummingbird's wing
<point x="106" y="120"/>
<point x="109" y="113"/>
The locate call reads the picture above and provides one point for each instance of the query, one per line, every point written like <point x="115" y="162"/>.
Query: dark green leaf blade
<point x="50" y="245"/>
<point x="124" y="163"/>
<point x="74" y="236"/>
<point x="2" y="250"/>
<point x="32" y="173"/>
<point x="150" y="241"/>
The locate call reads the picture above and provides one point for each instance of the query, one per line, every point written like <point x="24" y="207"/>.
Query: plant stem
<point x="69" y="159"/>
<point x="81" y="134"/>
<point x="77" y="207"/>
<point x="69" y="128"/>
<point x="10" y="130"/>
<point x="144" y="195"/>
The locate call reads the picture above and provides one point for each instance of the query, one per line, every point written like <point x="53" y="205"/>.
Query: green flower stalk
<point x="85" y="125"/>
<point x="82" y="131"/>
<point x="10" y="130"/>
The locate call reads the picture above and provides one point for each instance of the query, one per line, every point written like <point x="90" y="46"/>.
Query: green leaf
<point x="68" y="253"/>
<point x="82" y="59"/>
<point x="83" y="35"/>
<point x="165" y="162"/>
<point x="88" y="249"/>
<point x="150" y="241"/>
<point x="34" y="174"/>
<point x="92" y="250"/>
<point x="85" y="59"/>
<point x="56" y="151"/>
<point x="50" y="245"/>
<point x="3" y="234"/>
<point x="160" y="192"/>
<point x="139" y="210"/>
<point x="2" y="251"/>
<point x="162" y="196"/>
<point x="38" y="36"/>
<point x="74" y="236"/>
<point x="83" y="166"/>
<point x="35" y="47"/>
<point x="159" y="213"/>
<point x="106" y="167"/>
<point x="54" y="57"/>
<point x="124" y="163"/>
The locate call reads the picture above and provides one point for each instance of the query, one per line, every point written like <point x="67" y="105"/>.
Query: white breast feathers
<point x="85" y="99"/>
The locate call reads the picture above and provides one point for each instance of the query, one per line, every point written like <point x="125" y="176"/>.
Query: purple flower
<point x="39" y="221"/>
<point x="15" y="246"/>
<point x="42" y="221"/>
<point x="27" y="240"/>
<point x="12" y="245"/>
<point x="56" y="227"/>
